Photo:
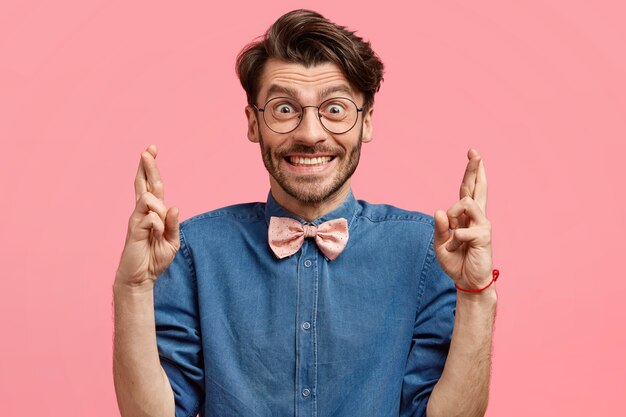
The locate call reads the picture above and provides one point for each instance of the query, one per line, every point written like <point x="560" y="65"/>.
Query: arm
<point x="152" y="240"/>
<point x="465" y="256"/>
<point x="463" y="388"/>
<point x="141" y="385"/>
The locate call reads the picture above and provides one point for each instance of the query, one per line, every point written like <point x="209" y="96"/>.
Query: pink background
<point x="538" y="87"/>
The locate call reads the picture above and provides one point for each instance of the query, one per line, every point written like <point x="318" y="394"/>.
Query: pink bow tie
<point x="286" y="236"/>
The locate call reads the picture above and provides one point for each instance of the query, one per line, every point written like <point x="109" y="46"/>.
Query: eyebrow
<point x="275" y="88"/>
<point x="341" y="88"/>
<point x="291" y="92"/>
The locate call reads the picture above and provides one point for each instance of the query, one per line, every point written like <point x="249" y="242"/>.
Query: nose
<point x="310" y="131"/>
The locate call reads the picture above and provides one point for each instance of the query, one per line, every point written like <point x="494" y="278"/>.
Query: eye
<point x="284" y="108"/>
<point x="335" y="109"/>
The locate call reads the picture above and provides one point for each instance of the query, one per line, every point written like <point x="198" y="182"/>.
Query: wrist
<point x="123" y="285"/>
<point x="494" y="277"/>
<point x="488" y="296"/>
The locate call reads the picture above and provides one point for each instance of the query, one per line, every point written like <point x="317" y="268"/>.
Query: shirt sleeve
<point x="432" y="335"/>
<point x="178" y="331"/>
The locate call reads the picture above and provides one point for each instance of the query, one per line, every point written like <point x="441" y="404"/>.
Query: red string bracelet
<point x="495" y="275"/>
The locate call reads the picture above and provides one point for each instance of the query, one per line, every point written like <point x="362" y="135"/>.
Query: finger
<point x="466" y="206"/>
<point x="474" y="236"/>
<point x="454" y="243"/>
<point x="172" y="226"/>
<point x="480" y="192"/>
<point x="468" y="183"/>
<point x="442" y="230"/>
<point x="153" y="176"/>
<point x="141" y="185"/>
<point x="149" y="202"/>
<point x="140" y="181"/>
<point x="152" y="221"/>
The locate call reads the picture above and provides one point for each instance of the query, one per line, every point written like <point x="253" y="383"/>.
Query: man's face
<point x="310" y="164"/>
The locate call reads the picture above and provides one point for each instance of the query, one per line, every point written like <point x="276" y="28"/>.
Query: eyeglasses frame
<point x="319" y="116"/>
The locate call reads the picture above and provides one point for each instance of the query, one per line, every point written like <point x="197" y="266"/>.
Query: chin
<point x="310" y="190"/>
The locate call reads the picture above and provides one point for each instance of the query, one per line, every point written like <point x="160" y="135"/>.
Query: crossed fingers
<point x="148" y="176"/>
<point x="474" y="182"/>
<point x="467" y="217"/>
<point x="149" y="190"/>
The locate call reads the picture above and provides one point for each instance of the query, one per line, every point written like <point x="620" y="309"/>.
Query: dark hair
<point x="308" y="38"/>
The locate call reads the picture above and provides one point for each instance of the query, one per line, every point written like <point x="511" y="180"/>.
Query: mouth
<point x="308" y="164"/>
<point x="309" y="161"/>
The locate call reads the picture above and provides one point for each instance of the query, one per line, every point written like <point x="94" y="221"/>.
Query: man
<point x="313" y="303"/>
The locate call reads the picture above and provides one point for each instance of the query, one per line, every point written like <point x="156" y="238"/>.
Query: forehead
<point x="305" y="83"/>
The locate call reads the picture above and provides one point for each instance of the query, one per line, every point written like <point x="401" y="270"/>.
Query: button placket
<point x="307" y="302"/>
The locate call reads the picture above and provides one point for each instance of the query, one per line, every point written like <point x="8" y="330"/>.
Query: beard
<point x="308" y="189"/>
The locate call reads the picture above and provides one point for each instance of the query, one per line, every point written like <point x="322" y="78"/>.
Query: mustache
<point x="299" y="148"/>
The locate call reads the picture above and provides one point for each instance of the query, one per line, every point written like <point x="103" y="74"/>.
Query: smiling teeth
<point x="296" y="160"/>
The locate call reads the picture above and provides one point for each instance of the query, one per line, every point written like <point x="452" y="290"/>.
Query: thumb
<point x="442" y="233"/>
<point x="172" y="227"/>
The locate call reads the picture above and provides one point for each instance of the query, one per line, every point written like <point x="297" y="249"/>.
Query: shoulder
<point x="224" y="217"/>
<point x="386" y="213"/>
<point x="398" y="227"/>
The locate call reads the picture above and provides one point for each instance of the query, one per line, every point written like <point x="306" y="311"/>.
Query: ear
<point x="368" y="128"/>
<point x="253" y="126"/>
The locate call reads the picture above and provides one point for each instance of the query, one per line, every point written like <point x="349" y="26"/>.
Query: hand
<point x="153" y="230"/>
<point x="465" y="254"/>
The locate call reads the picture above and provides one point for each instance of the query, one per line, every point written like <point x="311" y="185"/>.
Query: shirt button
<point x="306" y="325"/>
<point x="308" y="263"/>
<point x="306" y="392"/>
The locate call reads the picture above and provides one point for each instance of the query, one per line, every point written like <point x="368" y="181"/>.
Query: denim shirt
<point x="243" y="333"/>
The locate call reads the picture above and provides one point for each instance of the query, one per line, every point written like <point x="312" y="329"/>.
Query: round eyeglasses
<point x="337" y="115"/>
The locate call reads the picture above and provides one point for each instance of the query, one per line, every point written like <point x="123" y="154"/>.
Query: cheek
<point x="351" y="143"/>
<point x="269" y="143"/>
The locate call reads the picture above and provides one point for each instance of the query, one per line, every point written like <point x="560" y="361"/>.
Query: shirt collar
<point x="347" y="210"/>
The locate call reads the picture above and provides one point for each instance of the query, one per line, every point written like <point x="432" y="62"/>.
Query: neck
<point x="308" y="212"/>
